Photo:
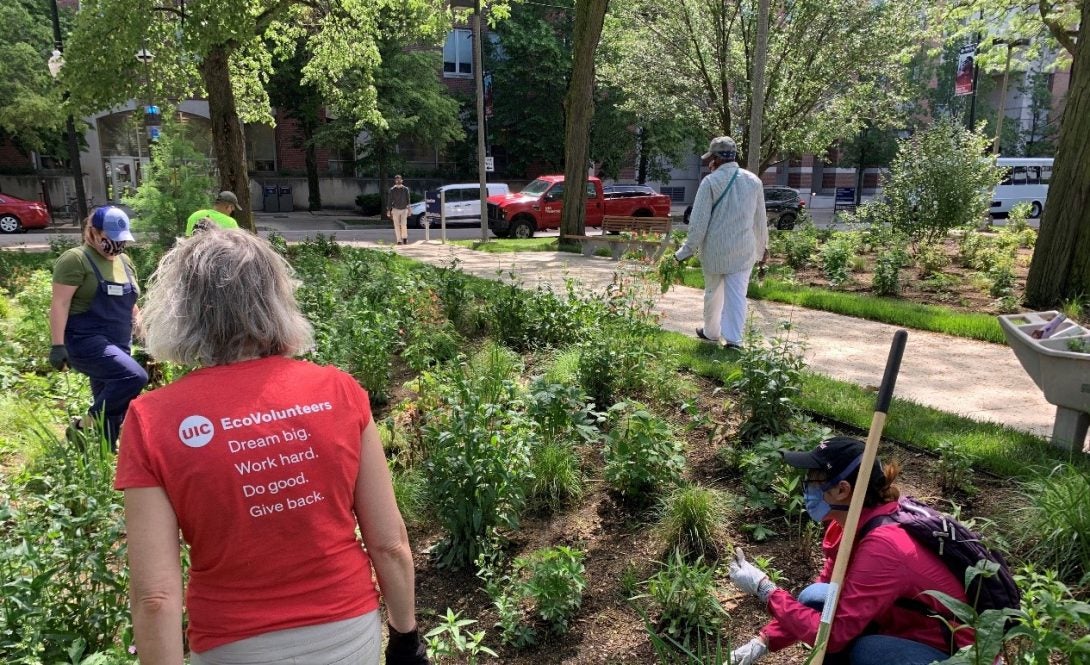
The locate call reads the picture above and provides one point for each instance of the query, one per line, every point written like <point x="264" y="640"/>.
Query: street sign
<point x="489" y="164"/>
<point x="154" y="132"/>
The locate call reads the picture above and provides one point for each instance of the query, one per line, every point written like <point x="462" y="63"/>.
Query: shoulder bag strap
<point x="729" y="185"/>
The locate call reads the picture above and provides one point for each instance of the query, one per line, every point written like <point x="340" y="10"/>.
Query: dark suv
<point x="782" y="207"/>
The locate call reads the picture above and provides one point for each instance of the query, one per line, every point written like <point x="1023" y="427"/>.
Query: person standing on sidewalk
<point x="729" y="230"/>
<point x="397" y="207"/>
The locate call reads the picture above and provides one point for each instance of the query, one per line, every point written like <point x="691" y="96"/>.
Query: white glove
<point x="749" y="578"/>
<point x="749" y="653"/>
<point x="683" y="253"/>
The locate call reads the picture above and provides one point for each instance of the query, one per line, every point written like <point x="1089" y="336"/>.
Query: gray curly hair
<point x="223" y="296"/>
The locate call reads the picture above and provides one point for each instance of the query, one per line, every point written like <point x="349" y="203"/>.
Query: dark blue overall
<point x="98" y="345"/>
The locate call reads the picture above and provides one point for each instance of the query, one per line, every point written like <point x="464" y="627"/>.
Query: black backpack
<point x="957" y="547"/>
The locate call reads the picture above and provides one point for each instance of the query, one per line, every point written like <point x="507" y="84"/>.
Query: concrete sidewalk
<point x="976" y="379"/>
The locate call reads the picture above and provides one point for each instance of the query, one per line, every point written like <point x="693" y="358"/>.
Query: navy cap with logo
<point x="833" y="456"/>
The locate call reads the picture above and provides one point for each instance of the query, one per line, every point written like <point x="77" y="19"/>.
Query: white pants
<point x="355" y="641"/>
<point x="401" y="224"/>
<point x="725" y="305"/>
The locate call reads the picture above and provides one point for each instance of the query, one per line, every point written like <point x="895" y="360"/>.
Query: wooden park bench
<point x="638" y="234"/>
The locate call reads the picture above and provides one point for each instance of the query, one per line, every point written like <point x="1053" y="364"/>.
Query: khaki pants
<point x="401" y="223"/>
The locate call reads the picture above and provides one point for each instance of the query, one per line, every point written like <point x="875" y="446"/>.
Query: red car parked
<point x="19" y="215"/>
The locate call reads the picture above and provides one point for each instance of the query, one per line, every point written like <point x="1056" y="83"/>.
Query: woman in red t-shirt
<point x="267" y="465"/>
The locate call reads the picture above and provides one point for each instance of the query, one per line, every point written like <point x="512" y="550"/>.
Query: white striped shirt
<point x="736" y="237"/>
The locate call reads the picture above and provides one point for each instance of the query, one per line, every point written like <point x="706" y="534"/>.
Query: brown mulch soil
<point x="607" y="629"/>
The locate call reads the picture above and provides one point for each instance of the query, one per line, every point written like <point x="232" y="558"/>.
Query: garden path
<point x="979" y="380"/>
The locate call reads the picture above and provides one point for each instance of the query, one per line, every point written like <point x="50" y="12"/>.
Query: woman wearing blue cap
<point x="92" y="316"/>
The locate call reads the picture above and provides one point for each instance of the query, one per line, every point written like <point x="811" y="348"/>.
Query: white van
<point x="463" y="202"/>
<point x="1026" y="180"/>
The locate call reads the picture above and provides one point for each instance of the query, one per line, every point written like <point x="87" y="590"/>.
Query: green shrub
<point x="448" y="640"/>
<point x="798" y="247"/>
<point x="836" y="258"/>
<point x="30" y="337"/>
<point x="687" y="599"/>
<point x="975" y="250"/>
<point x="937" y="182"/>
<point x="478" y="456"/>
<point x="763" y="469"/>
<point x="369" y="204"/>
<point x="1051" y="623"/>
<point x="1054" y="528"/>
<point x="553" y="579"/>
<point x="525" y="320"/>
<point x="1001" y="276"/>
<point x="887" y="275"/>
<point x="693" y="520"/>
<point x="642" y="456"/>
<point x="63" y="567"/>
<point x="177" y="184"/>
<point x="617" y="361"/>
<point x="931" y="259"/>
<point x="955" y="469"/>
<point x="560" y="412"/>
<point x="768" y="378"/>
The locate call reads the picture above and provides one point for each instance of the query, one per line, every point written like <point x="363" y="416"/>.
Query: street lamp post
<point x="55" y="64"/>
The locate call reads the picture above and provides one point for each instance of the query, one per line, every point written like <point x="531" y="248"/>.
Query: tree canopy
<point x="832" y="65"/>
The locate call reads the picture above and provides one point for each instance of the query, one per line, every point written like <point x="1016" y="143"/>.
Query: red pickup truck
<point x="538" y="206"/>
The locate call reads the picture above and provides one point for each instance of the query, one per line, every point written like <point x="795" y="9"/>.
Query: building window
<point x="261" y="148"/>
<point x="458" y="54"/>
<point x="676" y="194"/>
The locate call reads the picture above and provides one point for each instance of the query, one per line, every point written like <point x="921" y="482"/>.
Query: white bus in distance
<point x="1026" y="180"/>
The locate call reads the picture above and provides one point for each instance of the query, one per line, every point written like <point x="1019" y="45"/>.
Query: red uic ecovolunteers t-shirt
<point x="259" y="460"/>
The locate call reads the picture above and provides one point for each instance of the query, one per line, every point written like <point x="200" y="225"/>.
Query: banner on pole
<point x="963" y="79"/>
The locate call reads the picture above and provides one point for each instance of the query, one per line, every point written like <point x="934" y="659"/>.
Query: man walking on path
<point x="397" y="207"/>
<point x="220" y="214"/>
<point x="729" y="229"/>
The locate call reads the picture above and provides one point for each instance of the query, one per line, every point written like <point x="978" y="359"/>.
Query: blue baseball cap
<point x="113" y="222"/>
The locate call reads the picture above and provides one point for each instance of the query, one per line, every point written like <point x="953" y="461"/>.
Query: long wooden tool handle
<point x="859" y="493"/>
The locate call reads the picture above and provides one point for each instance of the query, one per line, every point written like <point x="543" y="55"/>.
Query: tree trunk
<point x="314" y="193"/>
<point x="578" y="111"/>
<point x="227" y="139"/>
<point x="1061" y="259"/>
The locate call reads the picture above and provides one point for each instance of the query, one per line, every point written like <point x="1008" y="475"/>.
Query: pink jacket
<point x="885" y="566"/>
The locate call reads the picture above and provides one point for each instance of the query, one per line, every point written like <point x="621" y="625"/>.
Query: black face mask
<point x="111" y="247"/>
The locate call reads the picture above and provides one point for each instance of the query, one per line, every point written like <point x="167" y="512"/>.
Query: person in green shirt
<point x="92" y="316"/>
<point x="220" y="214"/>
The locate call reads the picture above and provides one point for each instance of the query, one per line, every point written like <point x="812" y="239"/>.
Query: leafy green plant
<point x="955" y="469"/>
<point x="617" y="361"/>
<point x="449" y="640"/>
<point x="1001" y="276"/>
<point x="642" y="456"/>
<point x="63" y="567"/>
<point x="693" y="519"/>
<point x="931" y="259"/>
<point x="798" y="247"/>
<point x="768" y="378"/>
<point x="836" y="258"/>
<point x="478" y="456"/>
<point x="561" y="412"/>
<point x="975" y="250"/>
<point x="1054" y="528"/>
<point x="762" y="468"/>
<point x="1051" y="622"/>
<point x="553" y="579"/>
<point x="887" y="275"/>
<point x="686" y="598"/>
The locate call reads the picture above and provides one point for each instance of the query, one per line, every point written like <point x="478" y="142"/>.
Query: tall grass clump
<point x="1054" y="528"/>
<point x="693" y="520"/>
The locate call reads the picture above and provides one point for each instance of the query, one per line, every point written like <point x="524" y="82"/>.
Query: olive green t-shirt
<point x="72" y="269"/>
<point x="223" y="221"/>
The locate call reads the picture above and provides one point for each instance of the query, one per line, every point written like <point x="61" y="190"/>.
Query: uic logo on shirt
<point x="196" y="431"/>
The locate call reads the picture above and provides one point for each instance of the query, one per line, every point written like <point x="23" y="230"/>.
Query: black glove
<point x="406" y="648"/>
<point x="58" y="356"/>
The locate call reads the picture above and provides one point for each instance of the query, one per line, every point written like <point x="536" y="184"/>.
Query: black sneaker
<point x="701" y="335"/>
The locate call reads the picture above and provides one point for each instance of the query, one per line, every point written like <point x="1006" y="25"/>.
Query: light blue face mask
<point x="816" y="505"/>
